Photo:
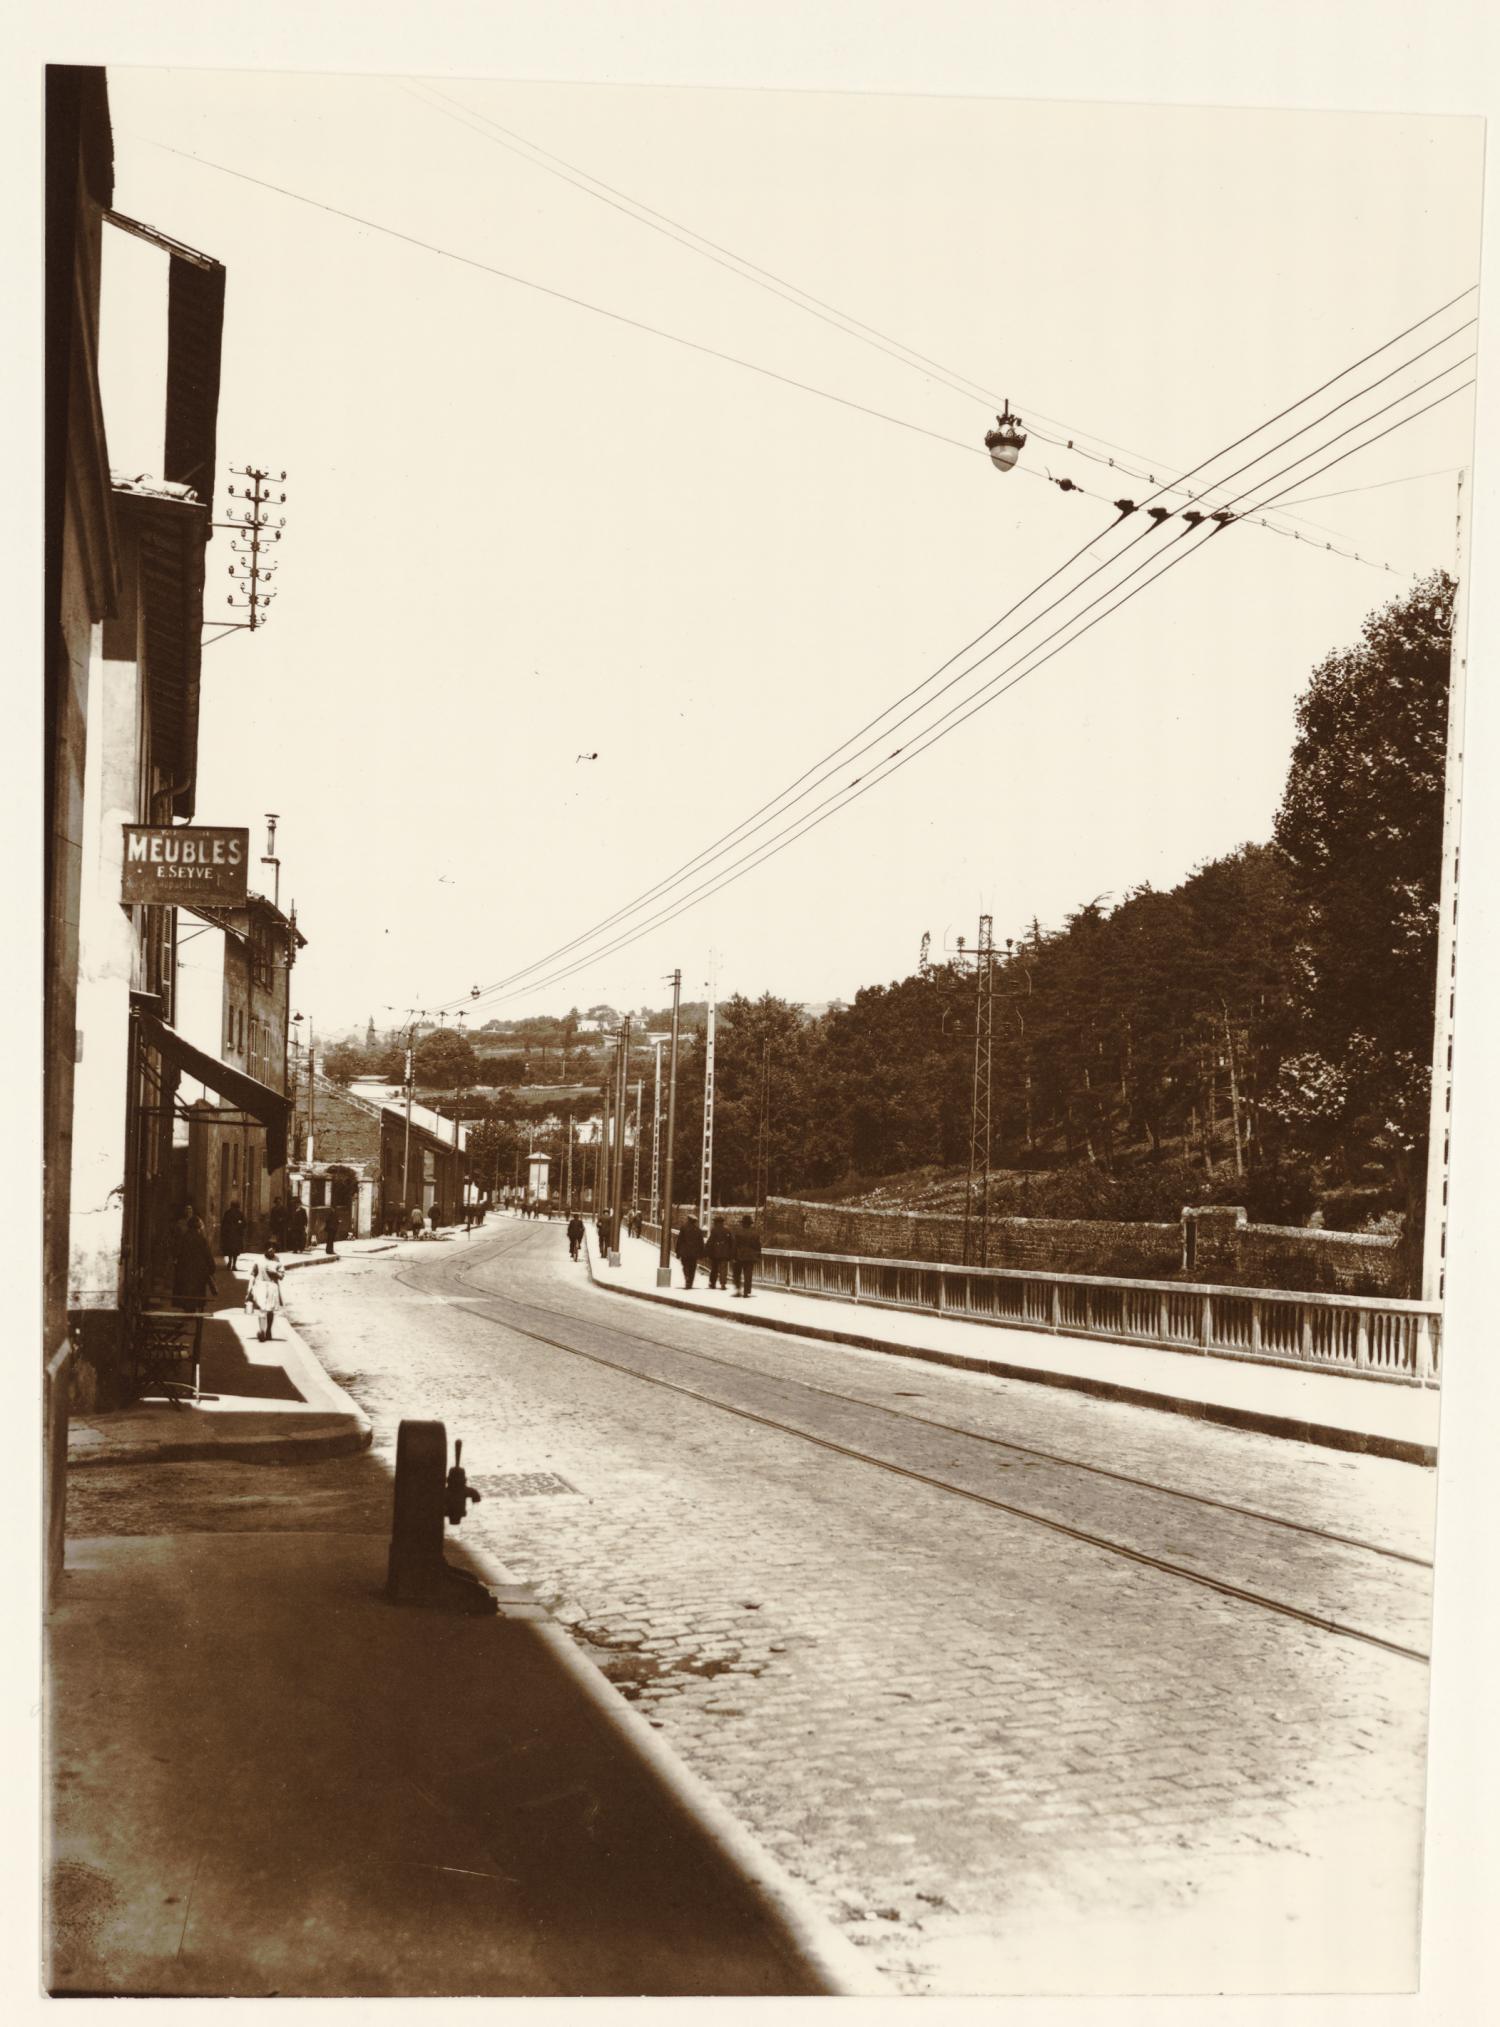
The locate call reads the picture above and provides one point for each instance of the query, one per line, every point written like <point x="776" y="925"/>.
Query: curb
<point x="292" y="1446"/>
<point x="786" y="1904"/>
<point x="1324" y="1435"/>
<point x="330" y="1424"/>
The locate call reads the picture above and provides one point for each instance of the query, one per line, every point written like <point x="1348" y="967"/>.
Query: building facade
<point x="81" y="583"/>
<point x="234" y="980"/>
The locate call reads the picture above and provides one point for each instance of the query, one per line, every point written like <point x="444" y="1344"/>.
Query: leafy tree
<point x="444" y="1060"/>
<point x="1361" y="825"/>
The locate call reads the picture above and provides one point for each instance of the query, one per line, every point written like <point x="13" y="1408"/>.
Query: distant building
<point x="423" y="1169"/>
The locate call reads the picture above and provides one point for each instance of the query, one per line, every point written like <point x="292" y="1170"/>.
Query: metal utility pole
<point x="312" y="1057"/>
<point x="602" y="1161"/>
<point x="706" y="1182"/>
<point x="664" y="1259"/>
<point x="1435" y="1218"/>
<point x="617" y="1178"/>
<point x="656" y="1045"/>
<point x="635" y="1160"/>
<point x="406" y="1148"/>
<point x="568" y="1184"/>
<point x="458" y="1157"/>
<point x="979" y="1110"/>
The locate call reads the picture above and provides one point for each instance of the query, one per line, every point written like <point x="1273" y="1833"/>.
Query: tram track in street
<point x="483" y="1301"/>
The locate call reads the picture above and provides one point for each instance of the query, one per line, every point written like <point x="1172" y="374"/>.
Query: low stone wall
<point x="1221" y="1245"/>
<point x="1051" y="1245"/>
<point x="1215" y="1244"/>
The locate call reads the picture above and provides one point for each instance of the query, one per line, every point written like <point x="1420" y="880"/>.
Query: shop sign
<point x="192" y="863"/>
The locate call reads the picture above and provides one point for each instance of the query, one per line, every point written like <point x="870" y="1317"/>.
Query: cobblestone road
<point x="1006" y="1760"/>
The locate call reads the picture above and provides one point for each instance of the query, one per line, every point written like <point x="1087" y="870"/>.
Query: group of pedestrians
<point x="726" y="1251"/>
<point x="195" y="1267"/>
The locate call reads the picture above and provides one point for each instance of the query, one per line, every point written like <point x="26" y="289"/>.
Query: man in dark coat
<point x="232" y="1234"/>
<point x="690" y="1249"/>
<point x="575" y="1235"/>
<point x="720" y="1253"/>
<point x="297" y="1227"/>
<point x="193" y="1266"/>
<point x="746" y="1253"/>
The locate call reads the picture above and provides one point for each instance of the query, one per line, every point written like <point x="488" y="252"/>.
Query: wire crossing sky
<point x="525" y="530"/>
<point x="750" y="825"/>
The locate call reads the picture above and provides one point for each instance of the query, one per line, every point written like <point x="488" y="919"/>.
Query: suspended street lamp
<point x="1006" y="443"/>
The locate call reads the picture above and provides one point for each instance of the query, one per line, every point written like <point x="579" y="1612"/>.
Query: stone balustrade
<point x="1375" y="1338"/>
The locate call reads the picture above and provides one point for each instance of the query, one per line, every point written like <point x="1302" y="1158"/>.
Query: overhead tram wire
<point x="658" y="331"/>
<point x="527" y="150"/>
<point x="830" y="760"/>
<point x="617" y="316"/>
<point x="748" y="828"/>
<point x="1379" y="485"/>
<point x="749" y="825"/>
<point x="975" y="702"/>
<point x="575" y="302"/>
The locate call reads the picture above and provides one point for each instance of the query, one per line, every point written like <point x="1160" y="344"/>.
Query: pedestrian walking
<point x="193" y="1266"/>
<point x="263" y="1296"/>
<point x="720" y="1253"/>
<point x="297" y="1228"/>
<point x="232" y="1234"/>
<point x="575" y="1235"/>
<point x="746" y="1253"/>
<point x="601" y="1226"/>
<point x="415" y="1221"/>
<point x="690" y="1248"/>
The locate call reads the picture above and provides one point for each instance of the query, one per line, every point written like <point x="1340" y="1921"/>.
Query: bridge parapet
<point x="1373" y="1338"/>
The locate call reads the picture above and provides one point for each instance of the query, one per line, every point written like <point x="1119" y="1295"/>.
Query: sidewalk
<point x="1378" y="1417"/>
<point x="268" y="1780"/>
<point x="270" y="1403"/>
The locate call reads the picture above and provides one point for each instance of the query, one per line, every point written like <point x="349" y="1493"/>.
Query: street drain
<point x="523" y="1485"/>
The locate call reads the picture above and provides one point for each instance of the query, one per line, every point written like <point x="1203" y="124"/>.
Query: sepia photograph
<point x="752" y="1020"/>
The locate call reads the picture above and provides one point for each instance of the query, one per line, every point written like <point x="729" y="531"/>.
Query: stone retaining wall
<point x="1213" y="1244"/>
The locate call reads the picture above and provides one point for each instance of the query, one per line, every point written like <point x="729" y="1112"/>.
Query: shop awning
<point x="245" y="1093"/>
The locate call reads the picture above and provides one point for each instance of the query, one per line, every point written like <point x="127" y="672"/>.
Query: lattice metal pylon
<point x="977" y="1200"/>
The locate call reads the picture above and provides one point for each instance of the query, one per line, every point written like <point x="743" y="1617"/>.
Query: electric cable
<point x="527" y="150"/>
<point x="749" y="824"/>
<point x="639" y="324"/>
<point x="967" y="707"/>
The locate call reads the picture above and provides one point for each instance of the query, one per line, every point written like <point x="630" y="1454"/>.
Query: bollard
<point x="426" y="1493"/>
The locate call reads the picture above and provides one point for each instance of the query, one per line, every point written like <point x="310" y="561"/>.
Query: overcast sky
<point x="518" y="532"/>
